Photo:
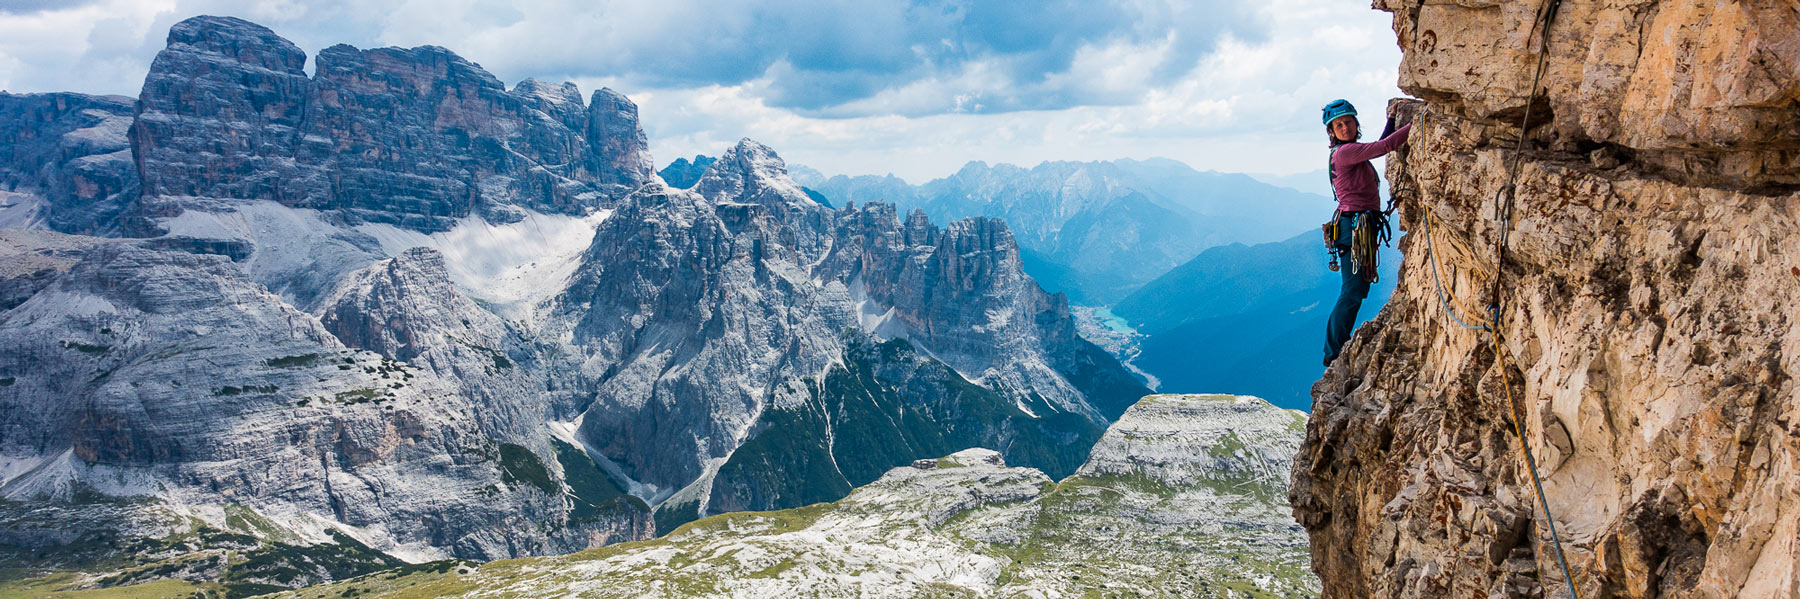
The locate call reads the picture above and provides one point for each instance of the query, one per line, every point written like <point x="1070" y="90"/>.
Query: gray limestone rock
<point x="414" y="137"/>
<point x="703" y="319"/>
<point x="280" y="341"/>
<point x="147" y="372"/>
<point x="65" y="162"/>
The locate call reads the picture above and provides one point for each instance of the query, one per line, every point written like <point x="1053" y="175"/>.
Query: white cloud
<point x="1182" y="80"/>
<point x="1249" y="107"/>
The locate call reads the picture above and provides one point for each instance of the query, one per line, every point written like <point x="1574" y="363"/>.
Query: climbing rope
<point x="1459" y="311"/>
<point x="1462" y="314"/>
<point x="1504" y="211"/>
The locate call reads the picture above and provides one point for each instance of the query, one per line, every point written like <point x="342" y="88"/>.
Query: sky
<point x="912" y="88"/>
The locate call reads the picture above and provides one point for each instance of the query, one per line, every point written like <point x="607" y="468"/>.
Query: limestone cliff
<point x="1646" y="329"/>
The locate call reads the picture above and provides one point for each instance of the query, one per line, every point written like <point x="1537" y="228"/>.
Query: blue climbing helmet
<point x="1337" y="108"/>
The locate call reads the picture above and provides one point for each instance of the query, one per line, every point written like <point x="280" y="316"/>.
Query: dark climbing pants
<point x="1350" y="295"/>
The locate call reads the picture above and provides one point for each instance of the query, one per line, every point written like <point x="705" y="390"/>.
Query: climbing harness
<point x="1369" y="231"/>
<point x="1463" y="315"/>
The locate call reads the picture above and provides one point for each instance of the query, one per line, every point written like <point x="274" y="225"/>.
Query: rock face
<point x="1182" y="498"/>
<point x="417" y="137"/>
<point x="1646" y="330"/>
<point x="683" y="174"/>
<point x="761" y="299"/>
<point x="65" y="162"/>
<point x="160" y="373"/>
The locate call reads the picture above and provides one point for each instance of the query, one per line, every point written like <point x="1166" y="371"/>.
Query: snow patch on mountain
<point x="510" y="267"/>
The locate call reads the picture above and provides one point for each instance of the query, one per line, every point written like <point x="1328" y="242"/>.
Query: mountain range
<point x="397" y="305"/>
<point x="1098" y="230"/>
<point x="1246" y="318"/>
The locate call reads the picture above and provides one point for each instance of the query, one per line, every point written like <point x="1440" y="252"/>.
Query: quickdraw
<point x="1369" y="231"/>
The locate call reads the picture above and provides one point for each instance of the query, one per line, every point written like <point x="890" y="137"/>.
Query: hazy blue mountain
<point x="1314" y="182"/>
<point x="1245" y="319"/>
<point x="1097" y="230"/>
<point x="684" y="173"/>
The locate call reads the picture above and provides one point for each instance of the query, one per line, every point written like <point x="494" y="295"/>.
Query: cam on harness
<point x="1369" y="230"/>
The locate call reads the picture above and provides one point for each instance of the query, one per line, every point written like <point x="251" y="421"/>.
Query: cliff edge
<point x="1646" y="331"/>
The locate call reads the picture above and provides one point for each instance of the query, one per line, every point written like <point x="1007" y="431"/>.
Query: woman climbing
<point x="1358" y="225"/>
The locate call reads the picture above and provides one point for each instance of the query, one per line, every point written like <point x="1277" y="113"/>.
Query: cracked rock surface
<point x="1647" y="328"/>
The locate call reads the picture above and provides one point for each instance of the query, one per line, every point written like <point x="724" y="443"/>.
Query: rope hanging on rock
<point x="1503" y="211"/>
<point x="1464" y="315"/>
<point x="1503" y="199"/>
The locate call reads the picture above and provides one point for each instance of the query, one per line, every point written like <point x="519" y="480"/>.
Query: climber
<point x="1354" y="184"/>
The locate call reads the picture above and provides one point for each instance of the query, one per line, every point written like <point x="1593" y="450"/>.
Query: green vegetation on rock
<point x="592" y="491"/>
<point x="520" y="465"/>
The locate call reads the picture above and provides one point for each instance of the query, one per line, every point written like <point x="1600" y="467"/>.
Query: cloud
<point x="1248" y="104"/>
<point x="870" y="86"/>
<point x="826" y="58"/>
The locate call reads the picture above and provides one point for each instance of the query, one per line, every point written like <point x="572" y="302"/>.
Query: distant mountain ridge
<point x="1097" y="230"/>
<point x="684" y="173"/>
<point x="1246" y="318"/>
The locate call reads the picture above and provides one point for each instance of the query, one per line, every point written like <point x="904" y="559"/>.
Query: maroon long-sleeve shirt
<point x="1356" y="183"/>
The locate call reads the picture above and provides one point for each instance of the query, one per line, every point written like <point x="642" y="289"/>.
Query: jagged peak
<point x="563" y="94"/>
<point x="606" y="97"/>
<point x="751" y="171"/>
<point x="617" y="137"/>
<point x="983" y="233"/>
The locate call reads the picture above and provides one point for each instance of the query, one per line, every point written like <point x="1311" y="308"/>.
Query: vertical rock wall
<point x="416" y="137"/>
<point x="1647" y="330"/>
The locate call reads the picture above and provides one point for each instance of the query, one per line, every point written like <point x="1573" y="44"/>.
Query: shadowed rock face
<point x="683" y="174"/>
<point x="1647" y="325"/>
<point x="415" y="137"/>
<point x="65" y="162"/>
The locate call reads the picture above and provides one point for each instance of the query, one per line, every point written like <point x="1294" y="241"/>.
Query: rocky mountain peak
<point x="683" y="173"/>
<point x="561" y="102"/>
<point x="236" y="40"/>
<point x="919" y="230"/>
<point x="422" y="69"/>
<point x="236" y="88"/>
<point x="752" y="171"/>
<point x="415" y="137"/>
<point x="617" y="139"/>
